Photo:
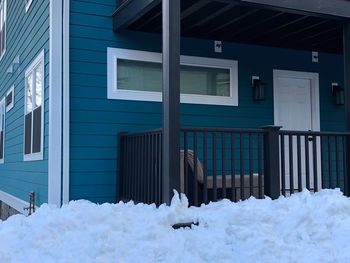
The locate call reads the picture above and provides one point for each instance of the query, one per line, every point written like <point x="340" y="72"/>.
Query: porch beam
<point x="346" y="45"/>
<point x="171" y="98"/>
<point x="131" y="10"/>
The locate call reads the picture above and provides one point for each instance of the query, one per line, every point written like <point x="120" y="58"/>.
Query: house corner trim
<point x="55" y="104"/>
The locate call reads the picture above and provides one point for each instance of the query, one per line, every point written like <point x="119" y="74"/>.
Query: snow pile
<point x="302" y="228"/>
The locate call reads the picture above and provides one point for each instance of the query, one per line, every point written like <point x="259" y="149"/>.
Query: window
<point x="34" y="113"/>
<point x="10" y="98"/>
<point x="137" y="75"/>
<point x="2" y="130"/>
<point x="27" y="4"/>
<point x="2" y="27"/>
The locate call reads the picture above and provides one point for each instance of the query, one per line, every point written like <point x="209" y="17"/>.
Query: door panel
<point x="293" y="102"/>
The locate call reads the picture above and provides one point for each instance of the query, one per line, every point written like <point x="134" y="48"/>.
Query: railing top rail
<point x="219" y="129"/>
<point x="149" y="132"/>
<point x="239" y="130"/>
<point x="315" y="133"/>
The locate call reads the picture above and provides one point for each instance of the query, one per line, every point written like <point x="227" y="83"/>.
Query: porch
<point x="209" y="164"/>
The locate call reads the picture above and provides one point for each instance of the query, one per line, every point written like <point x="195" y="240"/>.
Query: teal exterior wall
<point x="27" y="36"/>
<point x="96" y="121"/>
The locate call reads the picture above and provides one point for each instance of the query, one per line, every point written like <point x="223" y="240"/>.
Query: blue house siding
<point x="96" y="121"/>
<point x="27" y="36"/>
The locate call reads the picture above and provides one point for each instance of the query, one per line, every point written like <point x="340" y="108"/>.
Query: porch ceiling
<point x="241" y="21"/>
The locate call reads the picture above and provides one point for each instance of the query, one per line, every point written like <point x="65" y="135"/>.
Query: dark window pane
<point x="37" y="130"/>
<point x="9" y="99"/>
<point x="27" y="133"/>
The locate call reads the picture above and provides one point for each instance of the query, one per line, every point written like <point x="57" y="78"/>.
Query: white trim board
<point x="113" y="54"/>
<point x="55" y="104"/>
<point x="14" y="202"/>
<point x="66" y="104"/>
<point x="6" y="26"/>
<point x="315" y="101"/>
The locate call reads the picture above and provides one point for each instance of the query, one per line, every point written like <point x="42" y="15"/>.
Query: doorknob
<point x="310" y="138"/>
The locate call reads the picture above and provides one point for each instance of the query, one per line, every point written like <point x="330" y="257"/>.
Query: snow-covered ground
<point x="302" y="228"/>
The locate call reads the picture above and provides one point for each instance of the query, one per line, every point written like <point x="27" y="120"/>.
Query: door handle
<point x="310" y="138"/>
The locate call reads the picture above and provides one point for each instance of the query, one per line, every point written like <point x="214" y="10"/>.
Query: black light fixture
<point x="338" y="94"/>
<point x="258" y="88"/>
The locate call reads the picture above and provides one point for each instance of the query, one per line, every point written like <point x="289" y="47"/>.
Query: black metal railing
<point x="217" y="163"/>
<point x="313" y="160"/>
<point x="140" y="165"/>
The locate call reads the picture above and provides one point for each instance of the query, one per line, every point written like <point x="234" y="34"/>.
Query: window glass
<point x="205" y="81"/>
<point x="147" y="76"/>
<point x="29" y="83"/>
<point x="139" y="75"/>
<point x="38" y="85"/>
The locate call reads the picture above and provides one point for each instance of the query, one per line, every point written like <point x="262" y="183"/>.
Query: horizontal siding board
<point x="93" y="153"/>
<point x="93" y="179"/>
<point x="95" y="190"/>
<point x="93" y="140"/>
<point x="84" y="7"/>
<point x="90" y="20"/>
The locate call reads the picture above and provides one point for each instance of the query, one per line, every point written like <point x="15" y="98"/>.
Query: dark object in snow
<point x="31" y="207"/>
<point x="184" y="225"/>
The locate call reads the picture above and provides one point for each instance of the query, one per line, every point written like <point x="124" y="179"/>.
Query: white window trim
<point x="12" y="104"/>
<point x="5" y="38"/>
<point x="40" y="155"/>
<point x="3" y="104"/>
<point x="28" y="5"/>
<point x="114" y="93"/>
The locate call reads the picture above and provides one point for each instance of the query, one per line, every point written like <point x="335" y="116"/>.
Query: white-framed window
<point x="10" y="99"/>
<point x="34" y="110"/>
<point x="2" y="130"/>
<point x="27" y="3"/>
<point x="3" y="15"/>
<point x="137" y="75"/>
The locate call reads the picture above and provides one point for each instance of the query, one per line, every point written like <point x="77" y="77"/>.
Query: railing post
<point x="346" y="148"/>
<point x="346" y="46"/>
<point x="271" y="162"/>
<point x="120" y="175"/>
<point x="171" y="98"/>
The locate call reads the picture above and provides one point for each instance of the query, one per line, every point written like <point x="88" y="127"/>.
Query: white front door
<point x="296" y="109"/>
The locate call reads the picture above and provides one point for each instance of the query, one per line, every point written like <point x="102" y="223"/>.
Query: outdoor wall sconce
<point x="258" y="88"/>
<point x="338" y="94"/>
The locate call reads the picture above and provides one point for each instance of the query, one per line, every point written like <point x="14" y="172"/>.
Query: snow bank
<point x="302" y="228"/>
